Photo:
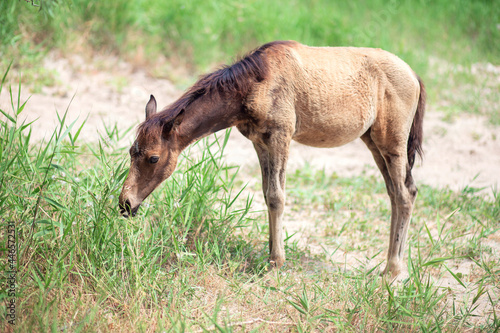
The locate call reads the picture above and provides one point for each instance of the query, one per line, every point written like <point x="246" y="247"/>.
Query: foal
<point x="283" y="91"/>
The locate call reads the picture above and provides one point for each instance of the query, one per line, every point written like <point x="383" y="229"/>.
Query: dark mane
<point x="236" y="79"/>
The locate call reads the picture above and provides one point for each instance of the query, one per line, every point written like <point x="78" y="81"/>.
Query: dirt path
<point x="465" y="152"/>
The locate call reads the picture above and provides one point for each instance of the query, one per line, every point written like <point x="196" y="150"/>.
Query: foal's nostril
<point x="128" y="208"/>
<point x="125" y="208"/>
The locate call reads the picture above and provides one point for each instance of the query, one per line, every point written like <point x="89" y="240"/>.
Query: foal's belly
<point x="332" y="129"/>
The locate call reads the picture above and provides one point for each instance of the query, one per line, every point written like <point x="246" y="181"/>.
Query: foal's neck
<point x="207" y="115"/>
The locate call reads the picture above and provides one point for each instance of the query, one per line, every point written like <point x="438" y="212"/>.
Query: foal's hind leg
<point x="379" y="160"/>
<point x="405" y="193"/>
<point x="412" y="191"/>
<point x="393" y="163"/>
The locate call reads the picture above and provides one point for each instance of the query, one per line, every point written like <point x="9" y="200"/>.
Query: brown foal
<point x="283" y="91"/>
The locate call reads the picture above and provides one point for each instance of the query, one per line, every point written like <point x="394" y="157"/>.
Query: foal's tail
<point x="416" y="132"/>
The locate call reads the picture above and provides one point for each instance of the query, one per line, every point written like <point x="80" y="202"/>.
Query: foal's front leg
<point x="273" y="158"/>
<point x="263" y="155"/>
<point x="276" y="205"/>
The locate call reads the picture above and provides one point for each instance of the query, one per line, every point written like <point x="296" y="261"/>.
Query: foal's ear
<point x="150" y="107"/>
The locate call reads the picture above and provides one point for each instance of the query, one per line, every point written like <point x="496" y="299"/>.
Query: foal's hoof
<point x="391" y="272"/>
<point x="276" y="263"/>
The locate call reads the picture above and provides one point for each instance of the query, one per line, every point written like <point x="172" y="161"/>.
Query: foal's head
<point x="159" y="141"/>
<point x="153" y="158"/>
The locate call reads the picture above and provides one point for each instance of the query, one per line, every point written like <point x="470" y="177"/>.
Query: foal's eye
<point x="153" y="159"/>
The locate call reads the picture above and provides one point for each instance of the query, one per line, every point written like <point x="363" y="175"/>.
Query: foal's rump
<point x="340" y="92"/>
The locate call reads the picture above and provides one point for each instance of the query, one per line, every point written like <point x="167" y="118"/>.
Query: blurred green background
<point x="450" y="44"/>
<point x="200" y="33"/>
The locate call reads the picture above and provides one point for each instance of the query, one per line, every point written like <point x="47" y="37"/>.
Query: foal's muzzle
<point x="126" y="210"/>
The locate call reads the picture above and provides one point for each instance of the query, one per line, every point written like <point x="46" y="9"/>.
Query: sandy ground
<point x="464" y="152"/>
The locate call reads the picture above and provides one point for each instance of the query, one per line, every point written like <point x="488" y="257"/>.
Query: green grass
<point x="195" y="258"/>
<point x="71" y="239"/>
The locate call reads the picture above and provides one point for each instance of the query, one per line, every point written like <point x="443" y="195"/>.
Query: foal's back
<point x="333" y="95"/>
